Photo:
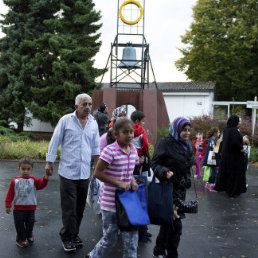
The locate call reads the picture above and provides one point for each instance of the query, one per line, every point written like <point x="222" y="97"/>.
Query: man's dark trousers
<point x="73" y="199"/>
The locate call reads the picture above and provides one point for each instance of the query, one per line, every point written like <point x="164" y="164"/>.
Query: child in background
<point x="212" y="141"/>
<point x="247" y="150"/>
<point x="199" y="151"/>
<point x="22" y="192"/>
<point x="115" y="168"/>
<point x="141" y="143"/>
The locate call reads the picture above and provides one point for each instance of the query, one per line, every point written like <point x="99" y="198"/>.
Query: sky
<point x="165" y="22"/>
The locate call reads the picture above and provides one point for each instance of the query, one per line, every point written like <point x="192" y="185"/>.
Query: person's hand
<point x="124" y="186"/>
<point x="175" y="215"/>
<point x="49" y="168"/>
<point x="169" y="174"/>
<point x="200" y="156"/>
<point x="135" y="186"/>
<point x="8" y="210"/>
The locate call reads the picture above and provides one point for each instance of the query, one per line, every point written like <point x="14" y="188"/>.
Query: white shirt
<point x="78" y="145"/>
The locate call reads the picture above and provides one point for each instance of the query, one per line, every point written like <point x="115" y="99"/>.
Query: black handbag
<point x="187" y="206"/>
<point x="160" y="202"/>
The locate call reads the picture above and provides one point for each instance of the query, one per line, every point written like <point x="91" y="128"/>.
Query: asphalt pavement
<point x="223" y="228"/>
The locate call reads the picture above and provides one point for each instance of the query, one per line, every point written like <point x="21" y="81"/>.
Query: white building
<point x="188" y="99"/>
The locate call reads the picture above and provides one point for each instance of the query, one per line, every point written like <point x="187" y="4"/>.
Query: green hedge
<point x="10" y="149"/>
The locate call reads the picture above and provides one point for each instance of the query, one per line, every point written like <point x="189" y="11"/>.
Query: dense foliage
<point x="22" y="23"/>
<point x="63" y="64"/>
<point x="46" y="57"/>
<point x="221" y="46"/>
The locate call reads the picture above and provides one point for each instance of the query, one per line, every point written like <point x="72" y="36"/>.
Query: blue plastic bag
<point x="133" y="205"/>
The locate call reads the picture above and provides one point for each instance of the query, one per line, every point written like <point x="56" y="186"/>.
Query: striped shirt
<point x="121" y="167"/>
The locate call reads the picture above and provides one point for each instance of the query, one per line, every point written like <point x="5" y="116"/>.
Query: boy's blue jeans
<point x="24" y="222"/>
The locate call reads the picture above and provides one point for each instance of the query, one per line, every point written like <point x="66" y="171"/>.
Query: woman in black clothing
<point x="102" y="118"/>
<point x="172" y="160"/>
<point x="231" y="176"/>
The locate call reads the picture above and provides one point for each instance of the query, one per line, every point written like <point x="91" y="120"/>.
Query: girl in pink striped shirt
<point x="115" y="168"/>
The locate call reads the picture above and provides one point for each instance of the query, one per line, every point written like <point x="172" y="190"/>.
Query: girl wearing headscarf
<point x="118" y="112"/>
<point x="231" y="176"/>
<point x="172" y="160"/>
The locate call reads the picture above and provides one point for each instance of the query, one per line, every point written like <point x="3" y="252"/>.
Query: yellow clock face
<point x="134" y="3"/>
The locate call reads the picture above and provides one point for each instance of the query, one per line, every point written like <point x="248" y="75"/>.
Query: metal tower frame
<point x="133" y="77"/>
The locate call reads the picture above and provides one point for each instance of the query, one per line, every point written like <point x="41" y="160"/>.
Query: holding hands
<point x="49" y="168"/>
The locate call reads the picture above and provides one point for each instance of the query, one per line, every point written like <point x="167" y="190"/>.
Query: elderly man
<point x="77" y="134"/>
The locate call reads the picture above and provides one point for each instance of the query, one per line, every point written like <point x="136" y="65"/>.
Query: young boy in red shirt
<point x="22" y="192"/>
<point x="141" y="143"/>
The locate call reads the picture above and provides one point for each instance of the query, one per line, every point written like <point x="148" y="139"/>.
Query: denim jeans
<point x="110" y="236"/>
<point x="24" y="222"/>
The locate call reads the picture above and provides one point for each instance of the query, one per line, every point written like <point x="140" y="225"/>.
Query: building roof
<point x="170" y="86"/>
<point x="186" y="86"/>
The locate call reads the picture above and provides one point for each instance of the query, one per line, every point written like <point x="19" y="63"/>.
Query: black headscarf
<point x="233" y="121"/>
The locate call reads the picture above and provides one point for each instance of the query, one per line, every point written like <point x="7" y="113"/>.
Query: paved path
<point x="224" y="227"/>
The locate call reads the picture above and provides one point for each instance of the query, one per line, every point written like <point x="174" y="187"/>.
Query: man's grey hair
<point x="81" y="96"/>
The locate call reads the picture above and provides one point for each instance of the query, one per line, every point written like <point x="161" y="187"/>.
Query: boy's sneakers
<point x="30" y="240"/>
<point x="22" y="244"/>
<point x="77" y="241"/>
<point x="68" y="246"/>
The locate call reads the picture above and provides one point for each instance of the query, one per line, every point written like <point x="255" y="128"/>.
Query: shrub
<point x="206" y="123"/>
<point x="6" y="131"/>
<point x="24" y="148"/>
<point x="162" y="132"/>
<point x="253" y="155"/>
<point x="151" y="150"/>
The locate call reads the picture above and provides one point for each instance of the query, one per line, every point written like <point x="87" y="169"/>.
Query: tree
<point x="221" y="46"/>
<point x="22" y="23"/>
<point x="63" y="66"/>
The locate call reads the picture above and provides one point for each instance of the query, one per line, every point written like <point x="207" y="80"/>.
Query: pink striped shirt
<point x="121" y="167"/>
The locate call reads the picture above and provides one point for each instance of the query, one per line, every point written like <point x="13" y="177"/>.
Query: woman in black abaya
<point x="231" y="176"/>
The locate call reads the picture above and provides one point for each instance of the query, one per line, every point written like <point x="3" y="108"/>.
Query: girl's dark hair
<point x="120" y="123"/>
<point x="137" y="115"/>
<point x="213" y="131"/>
<point x="102" y="107"/>
<point x="27" y="161"/>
